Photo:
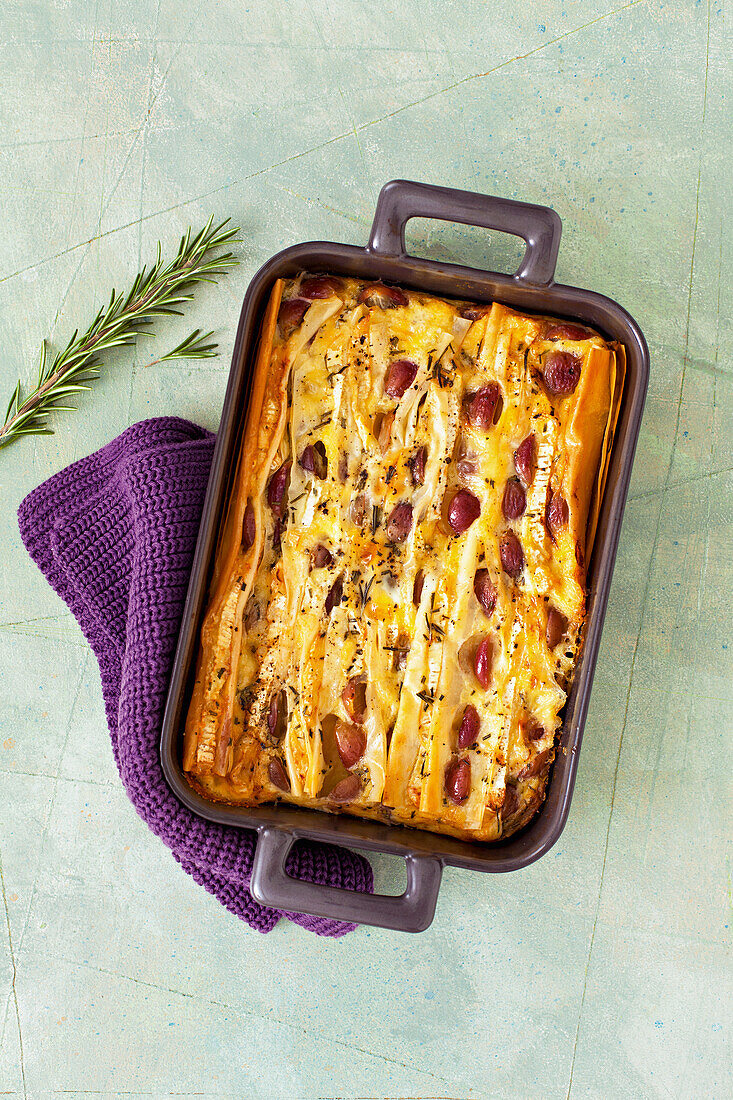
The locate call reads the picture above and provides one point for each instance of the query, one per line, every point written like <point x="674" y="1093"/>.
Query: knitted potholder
<point x="114" y="535"/>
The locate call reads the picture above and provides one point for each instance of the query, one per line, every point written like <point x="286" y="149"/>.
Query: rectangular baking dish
<point x="531" y="288"/>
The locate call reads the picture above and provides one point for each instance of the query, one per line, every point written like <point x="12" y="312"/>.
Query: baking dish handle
<point x="409" y="912"/>
<point x="539" y="226"/>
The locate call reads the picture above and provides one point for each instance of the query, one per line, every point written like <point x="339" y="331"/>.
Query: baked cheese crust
<point x="399" y="590"/>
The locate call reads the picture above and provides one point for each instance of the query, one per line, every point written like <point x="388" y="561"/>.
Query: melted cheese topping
<point x="347" y="642"/>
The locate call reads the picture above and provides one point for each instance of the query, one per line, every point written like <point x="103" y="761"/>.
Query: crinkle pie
<point x="399" y="590"/>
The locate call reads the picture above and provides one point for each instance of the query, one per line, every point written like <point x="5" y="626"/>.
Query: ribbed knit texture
<point x="114" y="534"/>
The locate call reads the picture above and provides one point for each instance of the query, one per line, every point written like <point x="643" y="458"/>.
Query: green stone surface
<point x="604" y="969"/>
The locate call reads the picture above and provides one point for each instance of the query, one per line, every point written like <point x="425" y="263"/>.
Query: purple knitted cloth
<point x="114" y="534"/>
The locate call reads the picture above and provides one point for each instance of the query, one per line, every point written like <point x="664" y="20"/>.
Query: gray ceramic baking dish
<point x="530" y="288"/>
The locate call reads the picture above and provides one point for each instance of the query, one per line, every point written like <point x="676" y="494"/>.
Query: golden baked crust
<point x="399" y="590"/>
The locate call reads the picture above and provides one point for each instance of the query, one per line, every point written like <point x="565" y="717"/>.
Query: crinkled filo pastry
<point x="399" y="588"/>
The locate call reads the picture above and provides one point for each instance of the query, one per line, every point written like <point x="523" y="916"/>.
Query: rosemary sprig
<point x="193" y="347"/>
<point x="439" y="373"/>
<point x="364" y="590"/>
<point x="155" y="293"/>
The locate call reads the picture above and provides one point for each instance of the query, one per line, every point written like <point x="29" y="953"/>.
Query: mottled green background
<point x="603" y="970"/>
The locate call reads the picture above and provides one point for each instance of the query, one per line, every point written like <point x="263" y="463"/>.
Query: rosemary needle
<point x="155" y="293"/>
<point x="195" y="346"/>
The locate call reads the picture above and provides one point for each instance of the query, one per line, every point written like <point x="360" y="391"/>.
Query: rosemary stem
<point x="153" y="294"/>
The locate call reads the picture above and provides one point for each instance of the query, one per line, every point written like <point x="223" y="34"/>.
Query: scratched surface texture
<point x="601" y="971"/>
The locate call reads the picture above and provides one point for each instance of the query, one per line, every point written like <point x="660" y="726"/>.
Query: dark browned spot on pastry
<point x="252" y="613"/>
<point x="245" y="697"/>
<point x="417" y="587"/>
<point x="400" y="652"/>
<point x="532" y="730"/>
<point x="511" y="801"/>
